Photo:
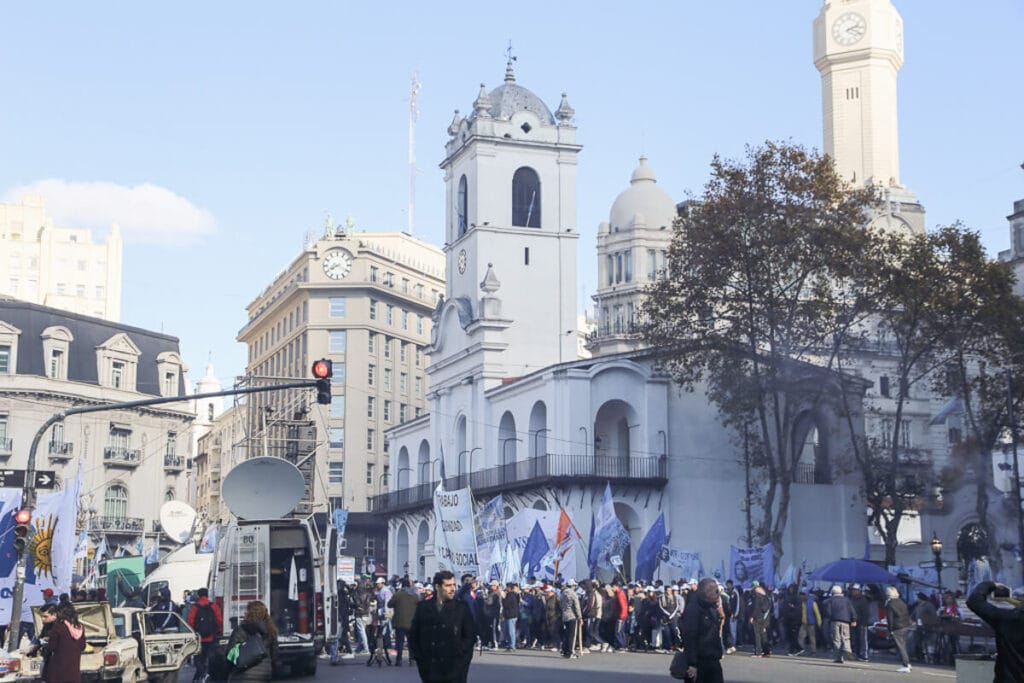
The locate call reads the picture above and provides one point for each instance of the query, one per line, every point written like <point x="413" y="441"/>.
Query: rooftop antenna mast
<point x="414" y="91"/>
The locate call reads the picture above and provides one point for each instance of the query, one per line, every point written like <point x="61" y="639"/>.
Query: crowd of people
<point x="567" y="616"/>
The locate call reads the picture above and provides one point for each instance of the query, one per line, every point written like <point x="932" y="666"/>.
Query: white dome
<point x="642" y="202"/>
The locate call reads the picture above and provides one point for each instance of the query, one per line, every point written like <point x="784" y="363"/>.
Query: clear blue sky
<point x="255" y="118"/>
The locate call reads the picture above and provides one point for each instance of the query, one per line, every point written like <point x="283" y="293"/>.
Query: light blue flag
<point x="648" y="554"/>
<point x="610" y="538"/>
<point x="153" y="554"/>
<point x="340" y="519"/>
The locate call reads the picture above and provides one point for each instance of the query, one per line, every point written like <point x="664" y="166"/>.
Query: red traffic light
<point x="23" y="516"/>
<point x="323" y="368"/>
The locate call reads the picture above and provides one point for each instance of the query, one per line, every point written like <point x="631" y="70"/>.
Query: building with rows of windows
<point x="364" y="301"/>
<point x="132" y="461"/>
<point x="61" y="267"/>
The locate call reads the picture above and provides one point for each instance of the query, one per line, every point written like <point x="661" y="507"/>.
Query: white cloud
<point x="146" y="213"/>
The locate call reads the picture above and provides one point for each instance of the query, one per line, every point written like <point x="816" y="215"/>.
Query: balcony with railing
<point x="61" y="451"/>
<point x="526" y="474"/>
<point x="114" y="456"/>
<point x="114" y="524"/>
<point x="174" y="463"/>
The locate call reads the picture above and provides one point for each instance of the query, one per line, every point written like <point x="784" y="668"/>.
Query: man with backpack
<point x="206" y="620"/>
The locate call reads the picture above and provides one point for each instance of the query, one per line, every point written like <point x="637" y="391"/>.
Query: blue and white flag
<point x="610" y="536"/>
<point x="649" y="552"/>
<point x="685" y="564"/>
<point x="534" y="552"/>
<point x="511" y="565"/>
<point x="139" y="546"/>
<point x="101" y="551"/>
<point x="752" y="564"/>
<point x="209" y="542"/>
<point x="82" y="546"/>
<point x="491" y="538"/>
<point x="153" y="554"/>
<point x="340" y="519"/>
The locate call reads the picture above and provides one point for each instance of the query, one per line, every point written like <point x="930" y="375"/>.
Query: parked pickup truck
<point x="122" y="644"/>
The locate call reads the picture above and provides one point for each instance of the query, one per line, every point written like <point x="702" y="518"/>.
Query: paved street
<point x="540" y="667"/>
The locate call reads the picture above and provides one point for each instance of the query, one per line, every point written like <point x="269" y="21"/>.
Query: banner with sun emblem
<point x="50" y="551"/>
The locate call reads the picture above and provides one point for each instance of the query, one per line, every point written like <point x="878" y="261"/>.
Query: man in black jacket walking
<point x="702" y="633"/>
<point x="442" y="634"/>
<point x="840" y="616"/>
<point x="1009" y="627"/>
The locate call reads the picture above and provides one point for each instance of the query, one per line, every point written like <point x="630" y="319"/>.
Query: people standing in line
<point x="730" y="605"/>
<point x="810" y="617"/>
<point x="862" y="613"/>
<point x="492" y="615"/>
<point x="761" y="610"/>
<point x="553" y="618"/>
<point x="841" y="617"/>
<point x="442" y="634"/>
<point x="1009" y="627"/>
<point x="510" y="615"/>
<point x="791" y="614"/>
<point x="403" y="604"/>
<point x="621" y="615"/>
<point x="256" y="623"/>
<point x="702" y="634"/>
<point x="206" y="620"/>
<point x="63" y="649"/>
<point x="571" y="616"/>
<point x="897" y="616"/>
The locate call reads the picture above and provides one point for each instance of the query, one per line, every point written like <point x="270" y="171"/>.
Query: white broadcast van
<point x="282" y="561"/>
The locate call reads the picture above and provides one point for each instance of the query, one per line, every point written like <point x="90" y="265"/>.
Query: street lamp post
<point x="937" y="551"/>
<point x="380" y="482"/>
<point x="461" y="453"/>
<point x="536" y="447"/>
<point x="408" y="480"/>
<point x="469" y="462"/>
<point x="504" y="452"/>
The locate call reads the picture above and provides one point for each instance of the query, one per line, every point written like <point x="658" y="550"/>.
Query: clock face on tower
<point x="462" y="261"/>
<point x="337" y="264"/>
<point x="849" y="28"/>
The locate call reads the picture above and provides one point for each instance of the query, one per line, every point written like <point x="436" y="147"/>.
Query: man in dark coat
<point x="1009" y="627"/>
<point x="442" y="634"/>
<point x="760" y="617"/>
<point x="702" y="627"/>
<point x="791" y="613"/>
<point x="840" y="618"/>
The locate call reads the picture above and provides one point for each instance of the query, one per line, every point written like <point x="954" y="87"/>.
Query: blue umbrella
<point x="850" y="571"/>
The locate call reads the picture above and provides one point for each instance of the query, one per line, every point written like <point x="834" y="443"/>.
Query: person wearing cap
<point x="571" y="616"/>
<point x="669" y="607"/>
<point x="841" y="616"/>
<point x="862" y="611"/>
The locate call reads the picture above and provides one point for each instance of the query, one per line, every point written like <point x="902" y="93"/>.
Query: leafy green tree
<point x="768" y="271"/>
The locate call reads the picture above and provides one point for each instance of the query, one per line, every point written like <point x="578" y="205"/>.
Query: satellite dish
<point x="177" y="519"/>
<point x="263" y="488"/>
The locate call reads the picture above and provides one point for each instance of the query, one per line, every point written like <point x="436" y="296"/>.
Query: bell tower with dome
<point x="631" y="253"/>
<point x="858" y="50"/>
<point x="510" y="239"/>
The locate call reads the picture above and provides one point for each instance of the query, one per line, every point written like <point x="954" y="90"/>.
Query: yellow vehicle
<point x="124" y="645"/>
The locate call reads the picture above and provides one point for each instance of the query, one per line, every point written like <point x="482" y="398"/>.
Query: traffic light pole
<point x="28" y="492"/>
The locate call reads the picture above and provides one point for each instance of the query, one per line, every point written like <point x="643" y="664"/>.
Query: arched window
<point x="526" y="198"/>
<point x="115" y="502"/>
<point x="462" y="206"/>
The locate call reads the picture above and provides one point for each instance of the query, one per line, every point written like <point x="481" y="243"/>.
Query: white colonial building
<point x="512" y="409"/>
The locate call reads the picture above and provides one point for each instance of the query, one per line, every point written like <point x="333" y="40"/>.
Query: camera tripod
<point x="378" y="653"/>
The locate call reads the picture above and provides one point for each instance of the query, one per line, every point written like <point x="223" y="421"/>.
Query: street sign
<point x="945" y="565"/>
<point x="15" y="479"/>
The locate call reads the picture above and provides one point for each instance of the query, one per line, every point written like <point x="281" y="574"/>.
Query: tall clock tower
<point x="858" y="49"/>
<point x="511" y="238"/>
